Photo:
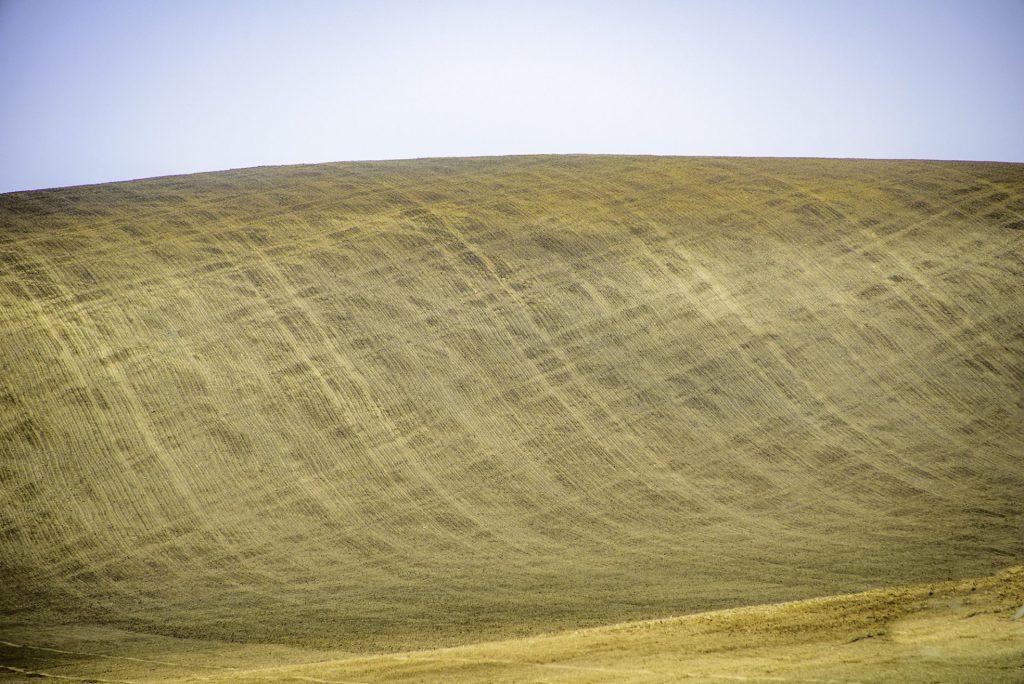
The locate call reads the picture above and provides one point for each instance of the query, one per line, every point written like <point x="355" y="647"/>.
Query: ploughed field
<point x="378" y="407"/>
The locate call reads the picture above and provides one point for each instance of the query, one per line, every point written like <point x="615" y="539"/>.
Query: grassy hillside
<point x="953" y="631"/>
<point x="384" y="406"/>
<point x="960" y="631"/>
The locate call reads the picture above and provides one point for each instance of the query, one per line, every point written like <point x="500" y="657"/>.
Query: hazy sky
<point x="96" y="91"/>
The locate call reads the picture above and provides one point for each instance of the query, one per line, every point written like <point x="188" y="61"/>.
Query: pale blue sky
<point x="97" y="91"/>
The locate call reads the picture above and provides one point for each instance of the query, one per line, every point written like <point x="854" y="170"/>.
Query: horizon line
<point x="505" y="156"/>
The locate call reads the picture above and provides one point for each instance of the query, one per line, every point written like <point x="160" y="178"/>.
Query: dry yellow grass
<point x="377" y="407"/>
<point x="953" y="631"/>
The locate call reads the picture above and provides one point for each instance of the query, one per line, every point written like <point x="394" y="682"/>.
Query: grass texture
<point x="381" y="407"/>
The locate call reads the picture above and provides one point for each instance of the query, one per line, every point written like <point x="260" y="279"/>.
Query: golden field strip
<point x="378" y="408"/>
<point x="955" y="631"/>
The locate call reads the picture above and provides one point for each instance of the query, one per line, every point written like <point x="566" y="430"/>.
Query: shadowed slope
<point x="404" y="404"/>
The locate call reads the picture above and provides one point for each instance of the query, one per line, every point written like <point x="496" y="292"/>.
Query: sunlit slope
<point x="407" y="404"/>
<point x="951" y="631"/>
<point x="959" y="631"/>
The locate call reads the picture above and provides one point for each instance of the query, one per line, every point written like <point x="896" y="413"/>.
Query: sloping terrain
<point x="954" y="631"/>
<point x="386" y="406"/>
<point x="961" y="631"/>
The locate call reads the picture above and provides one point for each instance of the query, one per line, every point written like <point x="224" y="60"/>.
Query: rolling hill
<point x="375" y="407"/>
